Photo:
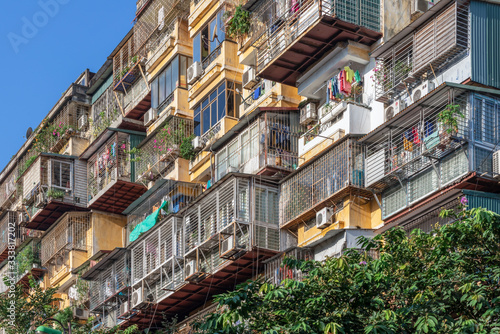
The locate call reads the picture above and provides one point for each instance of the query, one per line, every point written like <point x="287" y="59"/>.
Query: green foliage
<point x="443" y="282"/>
<point x="171" y="138"/>
<point x="135" y="154"/>
<point x="104" y="122"/>
<point x="27" y="164"/>
<point x="238" y="24"/>
<point x="448" y="118"/>
<point x="25" y="259"/>
<point x="186" y="149"/>
<point x="31" y="306"/>
<point x="55" y="193"/>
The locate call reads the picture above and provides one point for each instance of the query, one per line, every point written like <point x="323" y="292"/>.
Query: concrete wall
<point x="107" y="231"/>
<point x="396" y="16"/>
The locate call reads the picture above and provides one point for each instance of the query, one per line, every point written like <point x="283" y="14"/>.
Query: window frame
<point x="52" y="166"/>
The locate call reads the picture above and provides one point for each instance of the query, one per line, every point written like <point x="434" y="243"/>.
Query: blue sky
<point x="39" y="64"/>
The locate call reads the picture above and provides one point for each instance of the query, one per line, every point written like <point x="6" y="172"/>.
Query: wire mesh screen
<point x="105" y="110"/>
<point x="71" y="232"/>
<point x="110" y="163"/>
<point x="161" y="150"/>
<point x="7" y="188"/>
<point x="319" y="180"/>
<point x="8" y="226"/>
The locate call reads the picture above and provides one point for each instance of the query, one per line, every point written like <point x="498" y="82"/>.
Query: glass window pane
<point x="154" y="93"/>
<point x="197" y="122"/>
<point x="205" y="52"/>
<point x="213" y="40"/>
<point x="213" y="108"/>
<point x="66" y="175"/>
<point x="197" y="48"/>
<point x="175" y="73"/>
<point x="233" y="154"/>
<point x="161" y="88"/>
<point x="168" y="81"/>
<point x="221" y="106"/>
<point x="220" y="26"/>
<point x="245" y="147"/>
<point x="183" y="72"/>
<point x="230" y="103"/>
<point x="204" y="103"/>
<point x="238" y="101"/>
<point x="221" y="88"/>
<point x="56" y="173"/>
<point x="206" y="119"/>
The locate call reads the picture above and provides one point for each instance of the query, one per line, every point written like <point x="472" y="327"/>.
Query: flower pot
<point x="444" y="140"/>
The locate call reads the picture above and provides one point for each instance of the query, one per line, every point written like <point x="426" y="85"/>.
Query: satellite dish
<point x="29" y="132"/>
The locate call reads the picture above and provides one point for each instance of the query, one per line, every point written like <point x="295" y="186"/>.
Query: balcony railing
<point x="260" y="92"/>
<point x="209" y="60"/>
<point x="289" y="20"/>
<point x="8" y="188"/>
<point x="416" y="142"/>
<point x="162" y="149"/>
<point x="135" y="94"/>
<point x="185" y="326"/>
<point x="276" y="271"/>
<point x="10" y="228"/>
<point x="337" y="169"/>
<point x="159" y="44"/>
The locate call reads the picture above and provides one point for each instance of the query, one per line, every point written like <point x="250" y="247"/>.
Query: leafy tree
<point x="447" y="281"/>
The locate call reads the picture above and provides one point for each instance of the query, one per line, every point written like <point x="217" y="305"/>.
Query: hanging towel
<point x="349" y="74"/>
<point x="335" y="89"/>
<point x="357" y="76"/>
<point x="256" y="93"/>
<point x="416" y="137"/>
<point x="408" y="145"/>
<point x="341" y="81"/>
<point x="429" y="128"/>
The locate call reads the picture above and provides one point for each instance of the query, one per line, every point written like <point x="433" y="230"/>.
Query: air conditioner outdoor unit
<point x="496" y="164"/>
<point x="421" y="90"/>
<point x="137" y="297"/>
<point x="82" y="122"/>
<point x="80" y="313"/>
<point x="227" y="245"/>
<point x="124" y="308"/>
<point x="150" y="117"/>
<point x="21" y="218"/>
<point x="323" y="217"/>
<point x="419" y="6"/>
<point x="194" y="72"/>
<point x="249" y="78"/>
<point x="308" y="114"/>
<point x="190" y="268"/>
<point x="197" y="144"/>
<point x="161" y="18"/>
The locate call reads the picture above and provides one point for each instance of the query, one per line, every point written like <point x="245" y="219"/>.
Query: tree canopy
<point x="447" y="281"/>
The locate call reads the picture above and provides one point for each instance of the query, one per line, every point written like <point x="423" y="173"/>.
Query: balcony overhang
<point x="309" y="84"/>
<point x="192" y="295"/>
<point x="103" y="138"/>
<point x="117" y="196"/>
<point x="141" y="107"/>
<point x="105" y="263"/>
<point x="25" y="279"/>
<point x="50" y="213"/>
<point x="311" y="46"/>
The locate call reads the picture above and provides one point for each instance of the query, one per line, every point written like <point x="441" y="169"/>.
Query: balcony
<point x="428" y="47"/>
<point x="301" y="33"/>
<point x="185" y="326"/>
<point x="111" y="171"/>
<point x="105" y="111"/>
<point x="176" y="194"/>
<point x="337" y="119"/>
<point x="67" y="245"/>
<point x="137" y="100"/>
<point x="275" y="271"/>
<point x="28" y="263"/>
<point x="264" y="143"/>
<point x="8" y="190"/>
<point x="323" y="181"/>
<point x="158" y="154"/>
<point x="10" y="228"/>
<point x="415" y="154"/>
<point x="263" y="94"/>
<point x="109" y="281"/>
<point x="221" y="240"/>
<point x="52" y="185"/>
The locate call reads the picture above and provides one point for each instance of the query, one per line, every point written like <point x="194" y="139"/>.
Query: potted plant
<point x="55" y="193"/>
<point x="448" y="121"/>
<point x="238" y="23"/>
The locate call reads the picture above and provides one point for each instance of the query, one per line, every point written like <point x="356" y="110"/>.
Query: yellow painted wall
<point x="178" y="107"/>
<point x="201" y="13"/>
<point x="357" y="213"/>
<point x="107" y="231"/>
<point x="180" y="172"/>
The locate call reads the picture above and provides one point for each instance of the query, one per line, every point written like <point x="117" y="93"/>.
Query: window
<point x="266" y="206"/>
<point x="394" y="200"/>
<point x="61" y="175"/>
<point x="222" y="101"/>
<point x="205" y="42"/>
<point x="171" y="78"/>
<point x="486" y="119"/>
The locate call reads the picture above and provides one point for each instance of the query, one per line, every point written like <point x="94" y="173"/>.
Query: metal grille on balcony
<point x="8" y="188"/>
<point x="161" y="150"/>
<point x="276" y="271"/>
<point x="326" y="177"/>
<point x="300" y="32"/>
<point x="105" y="111"/>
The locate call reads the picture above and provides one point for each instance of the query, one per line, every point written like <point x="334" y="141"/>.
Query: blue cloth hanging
<point x="256" y="93"/>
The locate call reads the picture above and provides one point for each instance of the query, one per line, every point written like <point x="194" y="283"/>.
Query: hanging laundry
<point x="349" y="74"/>
<point x="341" y="79"/>
<point x="408" y="145"/>
<point x="416" y="137"/>
<point x="256" y="93"/>
<point x="335" y="89"/>
<point x="429" y="128"/>
<point x="357" y="76"/>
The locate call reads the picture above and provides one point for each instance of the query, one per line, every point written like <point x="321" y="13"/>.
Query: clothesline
<point x="336" y="74"/>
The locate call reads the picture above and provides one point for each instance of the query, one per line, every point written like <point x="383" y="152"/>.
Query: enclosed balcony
<point x="222" y="239"/>
<point x="300" y="33"/>
<point x="422" y="150"/>
<point x="8" y="188"/>
<point x="109" y="290"/>
<point x="323" y="181"/>
<point x="12" y="232"/>
<point x="111" y="170"/>
<point x="275" y="270"/>
<point x="170" y="195"/>
<point x="67" y="245"/>
<point x="105" y="111"/>
<point x="264" y="142"/>
<point x="158" y="154"/>
<point x="424" y="50"/>
<point x="52" y="185"/>
<point x="28" y="263"/>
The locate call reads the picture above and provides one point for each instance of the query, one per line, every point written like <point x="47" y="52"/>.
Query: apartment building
<point x="197" y="157"/>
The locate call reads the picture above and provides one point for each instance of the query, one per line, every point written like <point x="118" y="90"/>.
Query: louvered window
<point x="394" y="200"/>
<point x="454" y="166"/>
<point x="243" y="201"/>
<point x="423" y="184"/>
<point x="226" y="205"/>
<point x="266" y="205"/>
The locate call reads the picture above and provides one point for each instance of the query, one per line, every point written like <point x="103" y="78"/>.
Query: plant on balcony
<point x="136" y="152"/>
<point x="27" y="164"/>
<point x="186" y="149"/>
<point x="103" y="121"/>
<point x="169" y="140"/>
<point x="25" y="260"/>
<point x="448" y="121"/>
<point x="55" y="193"/>
<point x="238" y="23"/>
